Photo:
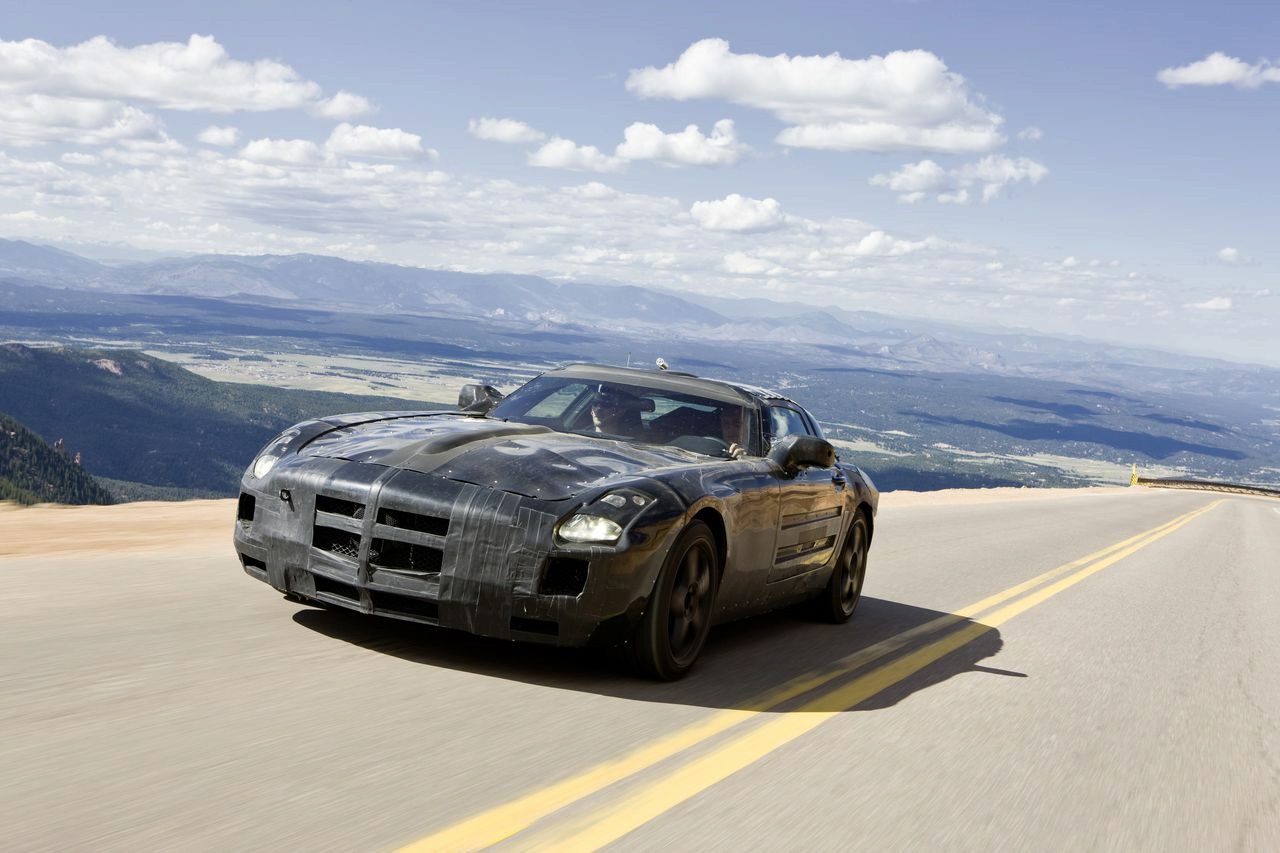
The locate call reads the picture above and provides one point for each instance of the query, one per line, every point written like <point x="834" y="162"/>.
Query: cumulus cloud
<point x="741" y="263"/>
<point x="1030" y="134"/>
<point x="1218" y="69"/>
<point x="507" y="130"/>
<point x="1229" y="255"/>
<point x="364" y="141"/>
<point x="688" y="147"/>
<point x="195" y="75"/>
<point x="1217" y="303"/>
<point x="292" y="151"/>
<point x="97" y="92"/>
<point x="991" y="174"/>
<point x="561" y="153"/>
<point x="221" y="136"/>
<point x="341" y="106"/>
<point x="905" y="100"/>
<point x="592" y="190"/>
<point x="27" y="120"/>
<point x="737" y="213"/>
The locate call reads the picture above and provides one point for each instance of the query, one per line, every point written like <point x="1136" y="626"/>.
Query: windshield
<point x="632" y="413"/>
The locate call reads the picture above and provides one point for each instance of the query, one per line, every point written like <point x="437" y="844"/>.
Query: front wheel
<point x="838" y="601"/>
<point x="675" y="623"/>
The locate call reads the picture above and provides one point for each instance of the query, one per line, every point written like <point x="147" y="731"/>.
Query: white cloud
<point x="291" y="151"/>
<point x="1229" y="255"/>
<point x="195" y="75"/>
<point x="342" y="106"/>
<point x="736" y="213"/>
<point x="76" y="158"/>
<point x="564" y="154"/>
<point x="27" y="120"/>
<point x="992" y="174"/>
<point x="741" y="263"/>
<point x="1070" y="262"/>
<point x="507" y="130"/>
<point x="221" y="136"/>
<point x="97" y="92"/>
<point x="592" y="190"/>
<point x="1030" y="134"/>
<point x="1218" y="69"/>
<point x="686" y="148"/>
<point x="364" y="141"/>
<point x="1217" y="303"/>
<point x="878" y="243"/>
<point x="905" y="100"/>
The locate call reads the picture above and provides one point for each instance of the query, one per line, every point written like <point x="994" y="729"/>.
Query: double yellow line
<point x="654" y="797"/>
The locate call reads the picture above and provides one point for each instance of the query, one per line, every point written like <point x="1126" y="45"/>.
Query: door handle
<point x="838" y="478"/>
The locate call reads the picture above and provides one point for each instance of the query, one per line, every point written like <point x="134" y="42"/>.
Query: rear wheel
<point x="838" y="601"/>
<point x="675" y="624"/>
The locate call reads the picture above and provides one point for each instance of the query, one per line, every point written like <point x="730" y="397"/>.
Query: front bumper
<point x="423" y="548"/>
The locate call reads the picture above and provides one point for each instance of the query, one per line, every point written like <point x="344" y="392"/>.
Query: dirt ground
<point x="55" y="529"/>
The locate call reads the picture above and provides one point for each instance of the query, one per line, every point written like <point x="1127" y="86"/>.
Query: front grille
<point x="341" y="542"/>
<point x="390" y="602"/>
<point x="405" y="557"/>
<point x="338" y="588"/>
<point x="406" y="520"/>
<point x="338" y="506"/>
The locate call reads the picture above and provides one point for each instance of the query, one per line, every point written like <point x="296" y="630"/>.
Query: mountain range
<point x="943" y="404"/>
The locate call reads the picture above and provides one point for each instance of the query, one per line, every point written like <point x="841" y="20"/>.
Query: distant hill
<point x="920" y="404"/>
<point x="325" y="282"/>
<point x="32" y="471"/>
<point x="138" y="419"/>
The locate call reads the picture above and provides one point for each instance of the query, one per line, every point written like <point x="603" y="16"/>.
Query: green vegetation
<point x="31" y="471"/>
<point x="138" y="419"/>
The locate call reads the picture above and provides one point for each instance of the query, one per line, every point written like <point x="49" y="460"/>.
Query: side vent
<point x="245" y="509"/>
<point x="564" y="576"/>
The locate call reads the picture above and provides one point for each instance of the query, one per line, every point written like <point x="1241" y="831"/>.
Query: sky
<point x="1103" y="170"/>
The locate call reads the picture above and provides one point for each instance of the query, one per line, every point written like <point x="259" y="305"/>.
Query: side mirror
<point x="794" y="452"/>
<point x="478" y="399"/>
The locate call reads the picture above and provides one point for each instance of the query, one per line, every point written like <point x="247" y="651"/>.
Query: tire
<point x="675" y="623"/>
<point x="837" y="602"/>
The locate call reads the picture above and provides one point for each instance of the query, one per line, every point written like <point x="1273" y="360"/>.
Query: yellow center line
<point x="673" y="788"/>
<point x="503" y="821"/>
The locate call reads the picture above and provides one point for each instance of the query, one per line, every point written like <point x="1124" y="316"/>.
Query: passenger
<point x="733" y="427"/>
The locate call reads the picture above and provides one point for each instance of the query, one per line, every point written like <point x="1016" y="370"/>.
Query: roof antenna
<point x="662" y="363"/>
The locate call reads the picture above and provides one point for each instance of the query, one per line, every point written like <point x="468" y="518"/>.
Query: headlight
<point x="263" y="465"/>
<point x="602" y="521"/>
<point x="590" y="528"/>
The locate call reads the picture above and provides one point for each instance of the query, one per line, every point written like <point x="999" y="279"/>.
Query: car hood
<point x="520" y="458"/>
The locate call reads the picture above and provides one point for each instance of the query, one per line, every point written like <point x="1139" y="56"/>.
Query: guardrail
<point x="1205" y="485"/>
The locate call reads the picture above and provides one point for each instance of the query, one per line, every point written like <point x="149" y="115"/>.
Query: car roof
<point x="667" y="380"/>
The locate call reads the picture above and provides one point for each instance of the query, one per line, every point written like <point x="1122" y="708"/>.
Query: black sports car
<point x="592" y="505"/>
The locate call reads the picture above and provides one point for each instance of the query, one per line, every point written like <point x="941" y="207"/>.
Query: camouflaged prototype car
<point x="592" y="505"/>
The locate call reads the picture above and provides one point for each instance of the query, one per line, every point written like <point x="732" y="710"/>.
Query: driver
<point x="616" y="412"/>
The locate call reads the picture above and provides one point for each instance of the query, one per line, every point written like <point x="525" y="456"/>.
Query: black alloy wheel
<point x="838" y="601"/>
<point x="674" y="627"/>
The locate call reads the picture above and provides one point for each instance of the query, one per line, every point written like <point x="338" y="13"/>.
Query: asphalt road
<point x="1095" y="671"/>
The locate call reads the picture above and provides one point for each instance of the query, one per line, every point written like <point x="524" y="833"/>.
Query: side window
<point x="784" y="421"/>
